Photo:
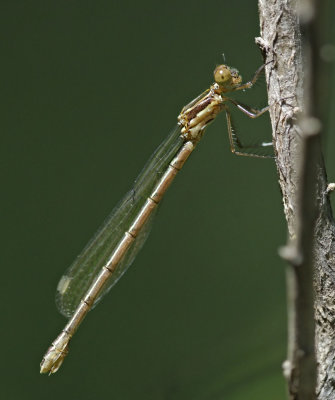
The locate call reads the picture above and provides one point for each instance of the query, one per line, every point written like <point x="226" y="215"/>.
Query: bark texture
<point x="281" y="42"/>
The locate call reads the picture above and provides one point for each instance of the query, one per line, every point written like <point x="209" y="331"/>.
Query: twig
<point x="293" y="101"/>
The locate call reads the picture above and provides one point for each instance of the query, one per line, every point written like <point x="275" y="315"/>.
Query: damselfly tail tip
<point x="52" y="361"/>
<point x="53" y="358"/>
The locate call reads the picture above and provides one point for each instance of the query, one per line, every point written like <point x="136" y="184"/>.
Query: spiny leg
<point x="249" y="111"/>
<point x="236" y="145"/>
<point x="249" y="84"/>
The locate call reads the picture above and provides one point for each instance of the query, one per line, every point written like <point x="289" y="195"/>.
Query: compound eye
<point x="222" y="75"/>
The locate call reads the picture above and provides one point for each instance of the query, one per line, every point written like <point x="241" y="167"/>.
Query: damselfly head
<point x="227" y="77"/>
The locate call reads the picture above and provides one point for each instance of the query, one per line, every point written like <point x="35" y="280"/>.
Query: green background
<point x="89" y="90"/>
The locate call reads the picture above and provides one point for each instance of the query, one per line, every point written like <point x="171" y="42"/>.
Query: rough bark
<point x="292" y="80"/>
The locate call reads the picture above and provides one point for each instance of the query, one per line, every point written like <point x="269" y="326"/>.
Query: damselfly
<point x="114" y="247"/>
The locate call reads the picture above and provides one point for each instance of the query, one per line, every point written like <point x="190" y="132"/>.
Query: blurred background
<point x="89" y="90"/>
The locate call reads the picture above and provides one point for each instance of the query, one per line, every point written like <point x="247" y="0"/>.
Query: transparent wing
<point x="80" y="275"/>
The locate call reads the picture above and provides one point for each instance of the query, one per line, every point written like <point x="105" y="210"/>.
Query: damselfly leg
<point x="237" y="146"/>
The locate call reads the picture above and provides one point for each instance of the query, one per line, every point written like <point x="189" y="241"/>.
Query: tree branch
<point x="293" y="78"/>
